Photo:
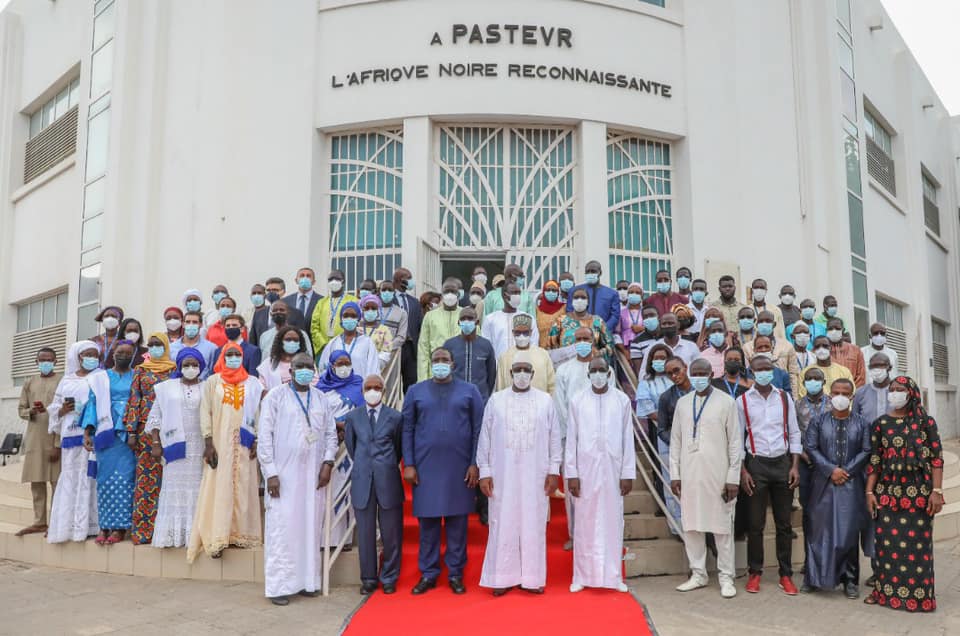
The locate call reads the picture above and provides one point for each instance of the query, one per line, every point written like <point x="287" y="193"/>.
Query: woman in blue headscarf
<point x="174" y="428"/>
<point x="361" y="349"/>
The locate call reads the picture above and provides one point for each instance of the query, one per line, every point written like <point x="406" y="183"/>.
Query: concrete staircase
<point x="652" y="550"/>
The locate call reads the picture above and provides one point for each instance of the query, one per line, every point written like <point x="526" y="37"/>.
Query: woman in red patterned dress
<point x="904" y="492"/>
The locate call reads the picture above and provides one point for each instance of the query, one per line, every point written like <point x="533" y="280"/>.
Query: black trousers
<point x="770" y="478"/>
<point x="408" y="364"/>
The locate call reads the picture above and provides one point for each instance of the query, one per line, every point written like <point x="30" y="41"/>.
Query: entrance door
<point x="463" y="269"/>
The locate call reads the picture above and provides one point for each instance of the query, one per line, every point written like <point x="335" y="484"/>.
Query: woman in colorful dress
<point x="904" y="492"/>
<point x="562" y="334"/>
<point x="228" y="507"/>
<point x="174" y="427"/>
<point x="549" y="309"/>
<point x="149" y="468"/>
<point x="115" y="461"/>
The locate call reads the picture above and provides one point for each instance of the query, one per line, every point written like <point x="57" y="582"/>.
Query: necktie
<point x="373" y="419"/>
<point x="302" y="305"/>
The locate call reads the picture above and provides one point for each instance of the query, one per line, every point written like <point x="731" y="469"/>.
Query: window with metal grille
<point x="931" y="212"/>
<point x="58" y="106"/>
<point x="880" y="163"/>
<point x="41" y="322"/>
<point x="890" y="315"/>
<point x="50" y="146"/>
<point x="941" y="352"/>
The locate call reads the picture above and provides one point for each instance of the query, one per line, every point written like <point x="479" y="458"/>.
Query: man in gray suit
<point x="373" y="439"/>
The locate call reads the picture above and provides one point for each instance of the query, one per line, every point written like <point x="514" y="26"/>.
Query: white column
<point x="590" y="211"/>
<point x="418" y="205"/>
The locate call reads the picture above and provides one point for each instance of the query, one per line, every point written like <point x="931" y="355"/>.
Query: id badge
<point x="312" y="437"/>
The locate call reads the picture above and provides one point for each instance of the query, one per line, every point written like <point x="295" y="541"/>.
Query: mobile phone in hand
<point x="213" y="462"/>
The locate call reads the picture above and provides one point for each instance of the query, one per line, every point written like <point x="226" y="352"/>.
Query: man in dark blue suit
<point x="305" y="298"/>
<point x="233" y="326"/>
<point x="603" y="300"/>
<point x="373" y="438"/>
<point x="402" y="284"/>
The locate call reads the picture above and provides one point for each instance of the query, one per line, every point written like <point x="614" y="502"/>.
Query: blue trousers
<point x="456" y="554"/>
<point x="391" y="533"/>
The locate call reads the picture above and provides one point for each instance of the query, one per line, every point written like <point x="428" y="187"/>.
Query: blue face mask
<point x="551" y="296"/>
<point x="257" y="300"/>
<point x="584" y="349"/>
<point x="233" y="362"/>
<point x="303" y="377"/>
<point x="218" y="296"/>
<point x="386" y="297"/>
<point x="699" y="383"/>
<point x="651" y="324"/>
<point x="592" y="278"/>
<point x="89" y="363"/>
<point x="291" y="346"/>
<point x="410" y="286"/>
<point x="717" y="339"/>
<point x="467" y="327"/>
<point x="763" y="378"/>
<point x="371" y="315"/>
<point x="765" y="328"/>
<point x="349" y="324"/>
<point x="191" y="331"/>
<point x="683" y="282"/>
<point x="807" y="313"/>
<point x="659" y="365"/>
<point x="634" y="299"/>
<point x="441" y="370"/>
<point x="225" y="311"/>
<point x="746" y="324"/>
<point x="832" y="311"/>
<point x="709" y="321"/>
<point x="193" y="305"/>
<point x="156" y="352"/>
<point x="698" y="296"/>
<point x="304" y="283"/>
<point x="663" y="288"/>
<point x="813" y="387"/>
<point x="521" y="281"/>
<point x="46" y="368"/>
<point x="364" y="293"/>
<point x="566" y="285"/>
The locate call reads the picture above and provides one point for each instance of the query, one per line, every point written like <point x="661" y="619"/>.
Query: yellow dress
<point x="228" y="507"/>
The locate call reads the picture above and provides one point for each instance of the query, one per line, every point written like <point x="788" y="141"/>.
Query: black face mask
<point x="232" y="333"/>
<point x="279" y="319"/>
<point x="122" y="362"/>
<point x="272" y="297"/>
<point x="732" y="367"/>
<point x="668" y="332"/>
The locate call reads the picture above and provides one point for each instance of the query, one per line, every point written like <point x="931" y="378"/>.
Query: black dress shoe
<point x="500" y="591"/>
<point x="423" y="585"/>
<point x="280" y="600"/>
<point x="871" y="582"/>
<point x="457" y="586"/>
<point x="368" y="588"/>
<point x="313" y="594"/>
<point x="807" y="589"/>
<point x="389" y="588"/>
<point x="851" y="590"/>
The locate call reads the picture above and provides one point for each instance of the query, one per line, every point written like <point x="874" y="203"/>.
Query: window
<point x="941" y="353"/>
<point x="41" y="322"/>
<point x="54" y="108"/>
<point x="890" y="314"/>
<point x="53" y="132"/>
<point x="880" y="153"/>
<point x="931" y="212"/>
<point x="657" y="3"/>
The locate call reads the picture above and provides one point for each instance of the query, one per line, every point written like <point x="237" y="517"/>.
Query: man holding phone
<point x="41" y="450"/>
<point x="705" y="450"/>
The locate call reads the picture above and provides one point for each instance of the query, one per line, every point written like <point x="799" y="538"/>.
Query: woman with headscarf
<point x="228" y="507"/>
<point x="133" y="331"/>
<point x="275" y="371"/>
<point x="631" y="317"/>
<point x="149" y="469"/>
<point x="372" y="326"/>
<point x="73" y="514"/>
<point x="904" y="493"/>
<point x="115" y="462"/>
<point x="361" y="349"/>
<point x="173" y="320"/>
<point x="685" y="320"/>
<point x="344" y="388"/>
<point x="549" y="309"/>
<point x="174" y="427"/>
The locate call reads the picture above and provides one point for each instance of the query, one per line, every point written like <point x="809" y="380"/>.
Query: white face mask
<point x="763" y="354"/>
<point x="132" y="336"/>
<point x="759" y="295"/>
<point x="840" y="402"/>
<point x="522" y="342"/>
<point x="514" y="300"/>
<point x="480" y="278"/>
<point x="622" y="293"/>
<point x="372" y="397"/>
<point x="579" y="304"/>
<point x="787" y="299"/>
<point x="521" y="380"/>
<point x="343" y="372"/>
<point x="110" y="322"/>
<point x="190" y="373"/>
<point x="802" y="339"/>
<point x="835" y="335"/>
<point x="897" y="399"/>
<point x="475" y="298"/>
<point x="598" y="379"/>
<point x="450" y="299"/>
<point x="878" y="340"/>
<point x="822" y="353"/>
<point x="879" y="375"/>
<point x="173" y="324"/>
<point x="335" y="285"/>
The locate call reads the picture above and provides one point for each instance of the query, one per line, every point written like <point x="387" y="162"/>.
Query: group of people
<point x="508" y="394"/>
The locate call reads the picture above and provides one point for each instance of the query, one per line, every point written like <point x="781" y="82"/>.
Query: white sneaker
<point x="693" y="583"/>
<point x="728" y="589"/>
<point x="575" y="587"/>
<point x="622" y="587"/>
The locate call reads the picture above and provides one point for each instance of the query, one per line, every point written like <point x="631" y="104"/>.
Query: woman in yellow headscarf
<point x="154" y="369"/>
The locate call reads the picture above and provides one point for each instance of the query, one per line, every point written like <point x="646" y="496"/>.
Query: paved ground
<point x="39" y="600"/>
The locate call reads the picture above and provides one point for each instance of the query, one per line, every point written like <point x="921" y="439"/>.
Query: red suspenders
<point x="746" y="414"/>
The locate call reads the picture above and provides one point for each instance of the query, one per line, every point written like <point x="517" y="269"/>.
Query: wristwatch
<point x="939" y="491"/>
<point x="328" y="463"/>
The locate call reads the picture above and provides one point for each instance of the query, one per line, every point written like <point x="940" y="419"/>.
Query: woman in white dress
<point x="274" y="370"/>
<point x="174" y="425"/>
<point x="73" y="514"/>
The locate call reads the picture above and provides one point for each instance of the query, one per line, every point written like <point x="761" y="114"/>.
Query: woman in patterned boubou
<point x="904" y="492"/>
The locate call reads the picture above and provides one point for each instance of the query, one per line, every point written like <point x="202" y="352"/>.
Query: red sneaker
<point x="786" y="584"/>
<point x="753" y="583"/>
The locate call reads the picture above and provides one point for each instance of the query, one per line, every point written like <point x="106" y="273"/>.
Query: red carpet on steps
<point x="440" y="611"/>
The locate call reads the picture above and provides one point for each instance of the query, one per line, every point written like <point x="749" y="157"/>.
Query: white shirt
<point x="890" y="353"/>
<point x="697" y="316"/>
<point x="685" y="349"/>
<point x="766" y="424"/>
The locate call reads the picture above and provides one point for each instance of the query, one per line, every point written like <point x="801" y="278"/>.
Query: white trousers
<point x="696" y="546"/>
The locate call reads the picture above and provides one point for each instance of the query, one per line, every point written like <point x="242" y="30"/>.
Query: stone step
<point x="16" y="511"/>
<point x="645" y="526"/>
<point x="951" y="463"/>
<point x="667" y="556"/>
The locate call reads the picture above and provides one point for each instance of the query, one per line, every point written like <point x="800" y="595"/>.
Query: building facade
<point x="150" y="147"/>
